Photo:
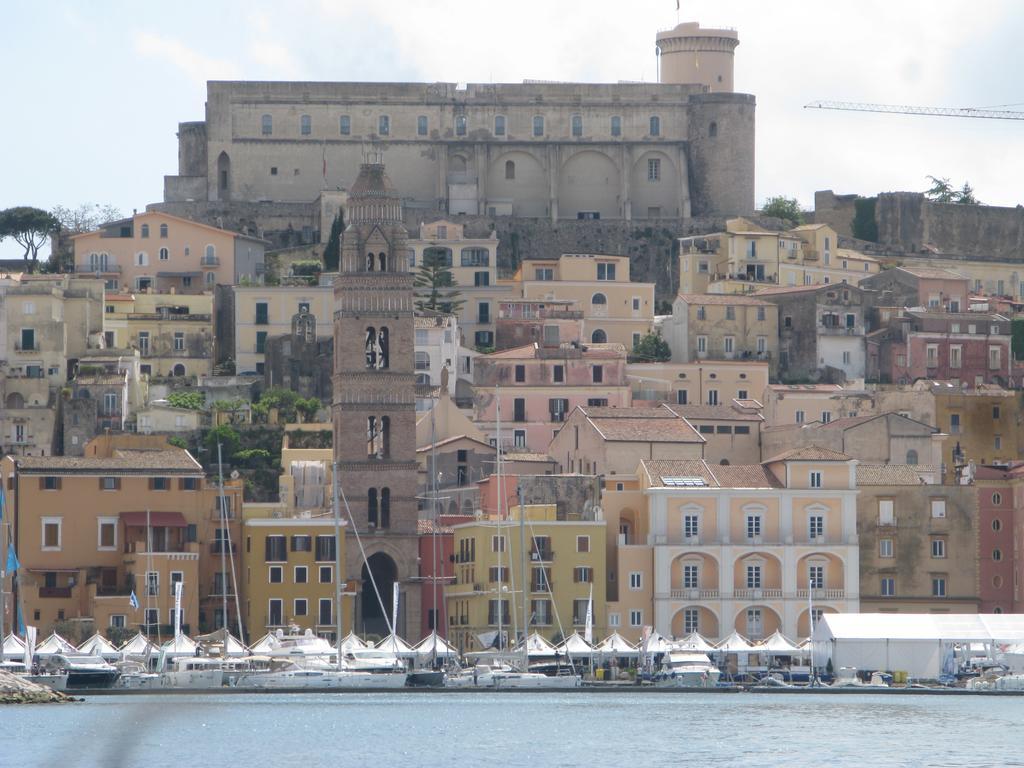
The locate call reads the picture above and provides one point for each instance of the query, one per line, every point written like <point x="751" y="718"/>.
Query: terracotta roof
<point x="714" y="476"/>
<point x="529" y="352"/>
<point x="606" y="412"/>
<point x="810" y="453"/>
<point x="453" y="439"/>
<point x="525" y="456"/>
<point x="432" y="321"/>
<point x="674" y="430"/>
<point x="719" y="412"/>
<point x="787" y="289"/>
<point x="146" y="462"/>
<point x="715" y="299"/>
<point x="934" y="273"/>
<point x="890" y="474"/>
<point x="426" y="527"/>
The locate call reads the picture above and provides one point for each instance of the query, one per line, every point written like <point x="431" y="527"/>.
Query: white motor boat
<point x="135" y="676"/>
<point x="687" y="669"/>
<point x="511" y="678"/>
<point x="194" y="672"/>
<point x="293" y="675"/>
<point x="80" y="670"/>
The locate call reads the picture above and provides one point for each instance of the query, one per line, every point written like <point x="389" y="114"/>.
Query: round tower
<point x="691" y="55"/>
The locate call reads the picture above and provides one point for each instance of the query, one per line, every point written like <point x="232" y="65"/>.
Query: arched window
<point x="599" y="337"/>
<point x="370" y="345"/>
<point x="713" y="129"/>
<point x="178" y="370"/>
<point x="383" y="361"/>
<point x="382" y="259"/>
<point x="577" y="125"/>
<point x="372" y="515"/>
<point x="655" y="125"/>
<point x="460" y="125"/>
<point x="163" y="231"/>
<point x="599" y="298"/>
<point x="145" y="230"/>
<point x="267" y="125"/>
<point x="211" y="252"/>
<point x="385" y="436"/>
<point x="385" y="508"/>
<point x="370" y="262"/>
<point x="510" y="170"/>
<point x="306" y="125"/>
<point x="911" y="456"/>
<point x="164" y="254"/>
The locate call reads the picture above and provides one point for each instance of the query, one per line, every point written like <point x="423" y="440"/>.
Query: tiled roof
<point x="787" y="289"/>
<point x="719" y="412"/>
<point x="524" y="456"/>
<point x="175" y="461"/>
<point x="525" y="352"/>
<point x="890" y="474"/>
<point x="605" y="412"/>
<point x="529" y="352"/>
<point x="715" y="299"/>
<point x="935" y="273"/>
<point x="810" y="453"/>
<point x="674" y="430"/>
<point x="715" y="476"/>
<point x="432" y="321"/>
<point x="449" y="441"/>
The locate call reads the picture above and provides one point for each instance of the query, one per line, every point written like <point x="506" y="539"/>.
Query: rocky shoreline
<point x="17" y="690"/>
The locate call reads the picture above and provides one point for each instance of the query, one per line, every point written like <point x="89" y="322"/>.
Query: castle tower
<point x="690" y="54"/>
<point x="374" y="409"/>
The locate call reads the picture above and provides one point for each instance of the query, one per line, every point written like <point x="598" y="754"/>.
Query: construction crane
<point x="902" y="109"/>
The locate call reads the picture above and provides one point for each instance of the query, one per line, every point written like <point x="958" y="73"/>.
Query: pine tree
<point x="435" y="286"/>
<point x="332" y="253"/>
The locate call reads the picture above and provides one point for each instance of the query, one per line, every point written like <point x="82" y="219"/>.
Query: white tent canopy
<point x="919" y="643"/>
<point x="777" y="644"/>
<point x="138" y="646"/>
<point x="693" y="642"/>
<point x="658" y="643"/>
<point x="55" y="644"/>
<point x="536" y="646"/>
<point x="98" y="645"/>
<point x="13" y="648"/>
<point x="434" y="644"/>
<point x="396" y="645"/>
<point x="352" y="642"/>
<point x="266" y="643"/>
<point x="219" y="639"/>
<point x="615" y="645"/>
<point x="575" y="645"/>
<point x="735" y="643"/>
<point x="182" y="645"/>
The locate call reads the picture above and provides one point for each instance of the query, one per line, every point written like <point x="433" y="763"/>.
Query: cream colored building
<point x="164" y="252"/>
<point x="615" y="310"/>
<point x="263" y="312"/>
<point x="741" y="547"/>
<point x="158" y="417"/>
<point x="806" y="403"/>
<point x="565" y="564"/>
<point x="705" y="381"/>
<point x="172" y="331"/>
<point x="722" y="327"/>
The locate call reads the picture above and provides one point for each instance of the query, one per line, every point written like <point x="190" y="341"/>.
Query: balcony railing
<point x="757" y="594"/>
<point x="102" y="269"/>
<point x="694" y="594"/>
<point x="209" y="261"/>
<point x="33" y="347"/>
<point x="55" y="592"/>
<point x="822" y="594"/>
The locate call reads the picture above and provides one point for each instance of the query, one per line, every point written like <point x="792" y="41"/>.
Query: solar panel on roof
<point x="684" y="482"/>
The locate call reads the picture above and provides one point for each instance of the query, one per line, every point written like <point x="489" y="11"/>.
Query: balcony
<point x="64" y="592"/>
<point x="33" y="347"/>
<point x="757" y="594"/>
<point x="209" y="261"/>
<point x="542" y="555"/>
<point x="98" y="269"/>
<point x="821" y="594"/>
<point x="694" y="594"/>
<point x="840" y="330"/>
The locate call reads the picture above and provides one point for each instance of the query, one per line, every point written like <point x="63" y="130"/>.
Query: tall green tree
<point x="29" y="228"/>
<point x="434" y="283"/>
<point x="786" y="208"/>
<point x="942" y="191"/>
<point x="651" y="348"/>
<point x="332" y="253"/>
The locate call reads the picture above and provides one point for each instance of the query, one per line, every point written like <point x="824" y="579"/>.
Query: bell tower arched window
<point x="385" y="508"/>
<point x="370" y="261"/>
<point x="383" y="260"/>
<point x="378" y="437"/>
<point x="372" y="512"/>
<point x="376" y="345"/>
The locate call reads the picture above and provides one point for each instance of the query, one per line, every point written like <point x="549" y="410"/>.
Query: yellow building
<point x="263" y="312"/>
<point x="565" y="560"/>
<point x="722" y="327"/>
<point x="740" y="547"/>
<point x="91" y="530"/>
<point x="704" y="381"/>
<point x="172" y="331"/>
<point x="614" y="309"/>
<point x="289" y="572"/>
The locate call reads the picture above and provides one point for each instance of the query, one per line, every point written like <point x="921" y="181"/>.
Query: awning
<point x="156" y="519"/>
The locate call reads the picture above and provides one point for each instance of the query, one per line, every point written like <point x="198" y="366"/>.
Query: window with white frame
<point x="816" y="576"/>
<point x="691" y="576"/>
<point x="815" y="479"/>
<point x="691" y="620"/>
<point x="885" y="548"/>
<point x="636" y="618"/>
<point x="799" y="417"/>
<point x="815" y="527"/>
<point x="51" y="533"/>
<point x="497" y="543"/>
<point x="636" y="580"/>
<point x="614" y="619"/>
<point x="753" y="576"/>
<point x="886" y="512"/>
<point x="106" y="533"/>
<point x="152" y="583"/>
<point x="755" y="624"/>
<point x="887" y="586"/>
<point x="938" y="548"/>
<point x="753" y="526"/>
<point x="691" y="526"/>
<point x="938" y="508"/>
<point x="938" y="586"/>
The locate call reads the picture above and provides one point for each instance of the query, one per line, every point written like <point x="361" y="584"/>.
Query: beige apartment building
<point x="474" y="266"/>
<point x="750" y="548"/>
<point x="263" y="312"/>
<point x="173" y="332"/>
<point x="565" y="564"/>
<point x="723" y="327"/>
<point x="91" y="530"/>
<point x="712" y="382"/>
<point x="156" y="250"/>
<point x="614" y="309"/>
<point x="806" y="403"/>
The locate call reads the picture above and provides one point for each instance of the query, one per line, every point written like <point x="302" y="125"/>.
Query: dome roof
<point x="373" y="182"/>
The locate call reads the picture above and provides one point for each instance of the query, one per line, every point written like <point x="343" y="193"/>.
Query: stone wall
<point x="835" y="210"/>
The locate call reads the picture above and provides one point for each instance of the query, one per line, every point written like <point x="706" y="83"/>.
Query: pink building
<point x="538" y="387"/>
<point x="435" y="555"/>
<point x="936" y="288"/>
<point x="996" y="557"/>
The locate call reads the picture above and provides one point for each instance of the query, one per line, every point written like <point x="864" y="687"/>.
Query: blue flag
<point x="12" y="561"/>
<point x="3" y="502"/>
<point x="133" y="601"/>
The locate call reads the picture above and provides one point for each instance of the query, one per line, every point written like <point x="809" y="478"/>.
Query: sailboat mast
<point x="433" y="533"/>
<point x="337" y="555"/>
<point x="497" y="469"/>
<point x="223" y="546"/>
<point x="522" y="560"/>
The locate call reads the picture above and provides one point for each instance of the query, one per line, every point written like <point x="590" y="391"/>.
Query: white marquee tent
<point x="921" y="644"/>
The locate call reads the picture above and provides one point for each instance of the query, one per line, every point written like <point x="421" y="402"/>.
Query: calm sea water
<point x="523" y="729"/>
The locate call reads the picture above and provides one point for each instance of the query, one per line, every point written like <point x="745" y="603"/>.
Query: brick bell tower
<point x="374" y="408"/>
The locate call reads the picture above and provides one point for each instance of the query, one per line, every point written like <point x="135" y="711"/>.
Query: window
<point x="654" y="169"/>
<point x="50" y="483"/>
<point x="729" y="344"/>
<point x="300" y="607"/>
<point x="887" y="586"/>
<point x="152" y="583"/>
<point x="655" y="126"/>
<point x="616" y="128"/>
<point x="753" y="526"/>
<point x="261" y="342"/>
<point x="753" y="577"/>
<point x="164" y="254"/>
<point x="275" y="612"/>
<point x="605" y="271"/>
<point x="326" y="574"/>
<point x="931" y="353"/>
<point x="110" y="483"/>
<point x="938" y="548"/>
<point x="460" y="125"/>
<point x="345" y="125"/>
<point x="582" y="543"/>
<point x="713" y="127"/>
<point x="499" y="125"/>
<point x="702" y="344"/>
<point x="421" y="125"/>
<point x="305" y="125"/>
<point x="691" y="526"/>
<point x="384" y="125"/>
<point x="179" y="341"/>
<point x="106" y="533"/>
<point x="577" y="126"/>
<point x="302" y="543"/>
<point x="702" y="313"/>
<point x="954" y="423"/>
<point x="163" y="231"/>
<point x="885" y="548"/>
<point x="815" y="479"/>
<point x="730" y="313"/>
<point x="301" y="574"/>
<point x="541" y="612"/>
<point x="493" y="606"/>
<point x="636" y="618"/>
<point x="816" y="527"/>
<point x="582" y="574"/>
<point x="636" y="581"/>
<point x="886" y="512"/>
<point x="267" y="125"/>
<point x="712" y="397"/>
<point x="520" y="374"/>
<point x="519" y="438"/>
<point x="597" y="374"/>
<point x="816" y="576"/>
<point x="274" y="549"/>
<point x="799" y="417"/>
<point x="691" y="576"/>
<point x="543" y="273"/>
<point x="497" y="574"/>
<point x="997" y="442"/>
<point x="117" y="620"/>
<point x="847" y="357"/>
<point x="497" y="543"/>
<point x="262" y="313"/>
<point x="955" y="356"/>
<point x="938" y="508"/>
<point x="938" y="586"/>
<point x="538" y="125"/>
<point x="325" y="613"/>
<point x="325" y="549"/>
<point x="276" y="575"/>
<point x="597" y="402"/>
<point x="558" y="374"/>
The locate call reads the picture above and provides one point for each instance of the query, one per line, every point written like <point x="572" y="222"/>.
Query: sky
<point x="93" y="92"/>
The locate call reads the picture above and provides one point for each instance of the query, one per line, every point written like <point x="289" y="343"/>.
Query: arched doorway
<point x="385" y="573"/>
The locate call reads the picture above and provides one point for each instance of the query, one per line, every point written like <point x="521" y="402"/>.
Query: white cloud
<point x="196" y="66"/>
